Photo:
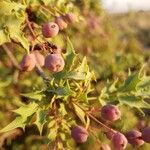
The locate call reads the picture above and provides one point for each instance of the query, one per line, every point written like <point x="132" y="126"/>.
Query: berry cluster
<point x="51" y="29"/>
<point x="53" y="62"/>
<point x="119" y="140"/>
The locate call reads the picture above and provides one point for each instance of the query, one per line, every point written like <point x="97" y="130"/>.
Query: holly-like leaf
<point x="130" y="83"/>
<point x="80" y="113"/>
<point x="133" y="101"/>
<point x="62" y="109"/>
<point x="40" y="119"/>
<point x="64" y="91"/>
<point x="26" y="111"/>
<point x="18" y="122"/>
<point x="69" y="56"/>
<point x="38" y="95"/>
<point x="143" y="87"/>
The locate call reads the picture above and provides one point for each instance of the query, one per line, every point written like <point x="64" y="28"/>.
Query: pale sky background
<point x="125" y="5"/>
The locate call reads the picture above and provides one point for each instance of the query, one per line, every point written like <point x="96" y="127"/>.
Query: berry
<point x="105" y="147"/>
<point x="61" y="23"/>
<point x="39" y="58"/>
<point x="79" y="134"/>
<point x="135" y="138"/>
<point x="119" y="141"/>
<point x="146" y="134"/>
<point x="28" y="62"/>
<point x="109" y="135"/>
<point x="50" y="29"/>
<point x="70" y="17"/>
<point x="54" y="62"/>
<point x="110" y="112"/>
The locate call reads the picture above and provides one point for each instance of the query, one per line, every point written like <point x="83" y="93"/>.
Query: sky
<point x="125" y="5"/>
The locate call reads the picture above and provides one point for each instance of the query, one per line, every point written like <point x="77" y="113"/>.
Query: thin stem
<point x="45" y="8"/>
<point x="11" y="56"/>
<point x="96" y="120"/>
<point x="41" y="73"/>
<point x="30" y="27"/>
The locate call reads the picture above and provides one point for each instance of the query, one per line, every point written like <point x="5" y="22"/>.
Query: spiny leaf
<point x="133" y="101"/>
<point x="26" y="111"/>
<point x="38" y="95"/>
<point x="130" y="83"/>
<point x="40" y="119"/>
<point x="69" y="56"/>
<point x="18" y="122"/>
<point x="80" y="113"/>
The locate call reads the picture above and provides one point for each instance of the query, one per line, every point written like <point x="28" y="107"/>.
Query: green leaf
<point x="38" y="95"/>
<point x="53" y="133"/>
<point x="64" y="91"/>
<point x="143" y="87"/>
<point x="40" y="119"/>
<point x="80" y="113"/>
<point x="133" y="101"/>
<point x="26" y="111"/>
<point x="69" y="56"/>
<point x="4" y="37"/>
<point x="62" y="109"/>
<point x="18" y="122"/>
<point x="130" y="83"/>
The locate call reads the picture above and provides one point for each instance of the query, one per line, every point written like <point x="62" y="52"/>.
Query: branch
<point x="11" y="56"/>
<point x="41" y="73"/>
<point x="96" y="120"/>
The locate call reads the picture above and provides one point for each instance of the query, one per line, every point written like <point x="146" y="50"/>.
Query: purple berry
<point x="70" y="17"/>
<point x="61" y="23"/>
<point x="135" y="138"/>
<point x="119" y="141"/>
<point x="105" y="147"/>
<point x="146" y="134"/>
<point x="39" y="58"/>
<point x="110" y="112"/>
<point x="50" y="29"/>
<point x="28" y="62"/>
<point x="54" y="62"/>
<point x="79" y="134"/>
<point x="109" y="135"/>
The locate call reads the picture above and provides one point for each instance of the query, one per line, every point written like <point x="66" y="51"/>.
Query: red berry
<point x="110" y="112"/>
<point x="54" y="62"/>
<point x="79" y="134"/>
<point x="70" y="17"/>
<point x="105" y="147"/>
<point x="28" y="62"/>
<point x="135" y="138"/>
<point x="39" y="58"/>
<point x="119" y="141"/>
<point x="61" y="23"/>
<point x="146" y="134"/>
<point x="50" y="29"/>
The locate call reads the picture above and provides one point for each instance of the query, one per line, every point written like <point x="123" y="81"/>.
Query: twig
<point x="41" y="73"/>
<point x="45" y="8"/>
<point x="11" y="56"/>
<point x="30" y="28"/>
<point x="96" y="120"/>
